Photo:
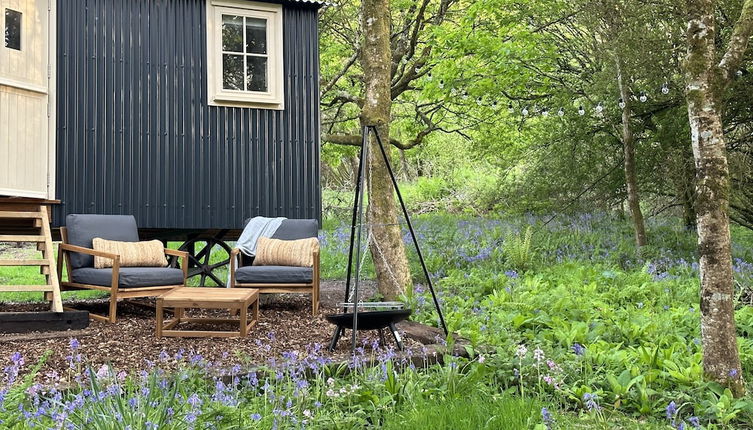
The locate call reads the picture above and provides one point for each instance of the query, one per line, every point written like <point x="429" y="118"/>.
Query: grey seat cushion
<point x="274" y="275"/>
<point x="129" y="277"/>
<point x="83" y="228"/>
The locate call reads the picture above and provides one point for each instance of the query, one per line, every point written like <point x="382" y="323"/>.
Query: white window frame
<point x="273" y="98"/>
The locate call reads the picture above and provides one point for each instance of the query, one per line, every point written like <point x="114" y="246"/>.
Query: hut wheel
<point x="207" y="257"/>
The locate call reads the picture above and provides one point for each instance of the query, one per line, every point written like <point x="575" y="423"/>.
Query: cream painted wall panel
<point x="29" y="65"/>
<point x="25" y="144"/>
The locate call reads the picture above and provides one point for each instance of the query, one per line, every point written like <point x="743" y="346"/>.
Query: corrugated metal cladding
<point x="135" y="134"/>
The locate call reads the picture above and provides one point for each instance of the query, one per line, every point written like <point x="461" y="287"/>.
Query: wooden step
<point x="15" y="214"/>
<point x="24" y="263"/>
<point x="21" y="238"/>
<point x="25" y="288"/>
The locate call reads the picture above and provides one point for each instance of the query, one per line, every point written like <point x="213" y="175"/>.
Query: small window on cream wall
<point x="244" y="54"/>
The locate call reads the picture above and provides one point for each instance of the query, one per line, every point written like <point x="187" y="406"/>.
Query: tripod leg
<point x="335" y="338"/>
<point x="382" y="341"/>
<point x="396" y="335"/>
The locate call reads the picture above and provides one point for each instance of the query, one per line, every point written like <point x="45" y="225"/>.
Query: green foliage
<point x="478" y="411"/>
<point x="519" y="252"/>
<point x="623" y="327"/>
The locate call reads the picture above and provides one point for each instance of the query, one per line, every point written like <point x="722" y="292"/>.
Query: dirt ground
<point x="286" y="324"/>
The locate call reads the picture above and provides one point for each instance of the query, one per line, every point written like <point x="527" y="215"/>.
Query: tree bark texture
<point x="386" y="246"/>
<point x="686" y="189"/>
<point x="705" y="84"/>
<point x="631" y="178"/>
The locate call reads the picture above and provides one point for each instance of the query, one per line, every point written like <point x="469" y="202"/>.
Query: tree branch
<point x="332" y="82"/>
<point x="343" y="97"/>
<point x="738" y="42"/>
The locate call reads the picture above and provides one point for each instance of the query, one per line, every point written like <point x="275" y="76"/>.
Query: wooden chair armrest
<point x="176" y="253"/>
<point x="235" y="252"/>
<point x="81" y="250"/>
<point x="183" y="255"/>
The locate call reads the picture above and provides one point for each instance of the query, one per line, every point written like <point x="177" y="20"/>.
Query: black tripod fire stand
<point x="386" y="314"/>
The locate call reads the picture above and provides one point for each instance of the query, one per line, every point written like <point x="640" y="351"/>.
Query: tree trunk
<point x="404" y="167"/>
<point x="705" y="83"/>
<point x="631" y="178"/>
<point x="687" y="189"/>
<point x="387" y="247"/>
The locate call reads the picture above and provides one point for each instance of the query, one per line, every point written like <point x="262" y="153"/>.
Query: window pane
<point x="256" y="73"/>
<point x="13" y="29"/>
<point x="232" y="33"/>
<point x="256" y="36"/>
<point x="232" y="72"/>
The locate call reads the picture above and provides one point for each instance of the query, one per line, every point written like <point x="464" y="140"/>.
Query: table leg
<point x="160" y="318"/>
<point x="244" y="320"/>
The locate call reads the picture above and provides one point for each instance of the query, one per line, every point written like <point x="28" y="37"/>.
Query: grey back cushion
<point x="83" y="228"/>
<point x="294" y="229"/>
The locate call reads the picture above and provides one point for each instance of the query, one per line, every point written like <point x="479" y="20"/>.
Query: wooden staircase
<point x="30" y="222"/>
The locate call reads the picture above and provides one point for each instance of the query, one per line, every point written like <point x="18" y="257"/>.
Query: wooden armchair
<point x="280" y="279"/>
<point x="121" y="282"/>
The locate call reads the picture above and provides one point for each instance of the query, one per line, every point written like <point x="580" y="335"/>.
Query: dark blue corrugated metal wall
<point x="135" y="134"/>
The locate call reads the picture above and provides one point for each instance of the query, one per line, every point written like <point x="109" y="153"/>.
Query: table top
<point x="209" y="295"/>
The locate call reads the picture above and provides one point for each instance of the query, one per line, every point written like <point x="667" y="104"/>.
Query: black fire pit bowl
<point x="369" y="320"/>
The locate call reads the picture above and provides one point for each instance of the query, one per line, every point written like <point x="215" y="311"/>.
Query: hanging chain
<point x="396" y="283"/>
<point x="370" y="234"/>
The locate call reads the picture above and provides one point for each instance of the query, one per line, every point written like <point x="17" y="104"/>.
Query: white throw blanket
<point x="257" y="227"/>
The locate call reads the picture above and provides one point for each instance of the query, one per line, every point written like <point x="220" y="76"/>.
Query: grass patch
<point x="474" y="412"/>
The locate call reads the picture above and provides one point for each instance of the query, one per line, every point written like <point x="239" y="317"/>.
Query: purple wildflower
<point x="590" y="400"/>
<point x="671" y="411"/>
<point x="546" y="416"/>
<point x="578" y="349"/>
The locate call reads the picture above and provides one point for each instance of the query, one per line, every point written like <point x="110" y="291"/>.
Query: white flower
<point x="103" y="372"/>
<point x="538" y="354"/>
<point x="332" y="393"/>
<point x="307" y="413"/>
<point x="481" y="358"/>
<point x="330" y="381"/>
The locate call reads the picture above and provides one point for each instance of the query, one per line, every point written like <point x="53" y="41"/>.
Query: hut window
<point x="13" y="29"/>
<point x="244" y="54"/>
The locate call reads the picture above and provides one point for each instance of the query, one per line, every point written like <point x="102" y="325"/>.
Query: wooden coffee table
<point x="233" y="299"/>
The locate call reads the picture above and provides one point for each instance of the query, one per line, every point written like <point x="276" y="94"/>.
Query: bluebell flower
<point x="590" y="400"/>
<point x="578" y="349"/>
<point x="546" y="416"/>
<point x="194" y="400"/>
<point x="671" y="411"/>
<point x="695" y="422"/>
